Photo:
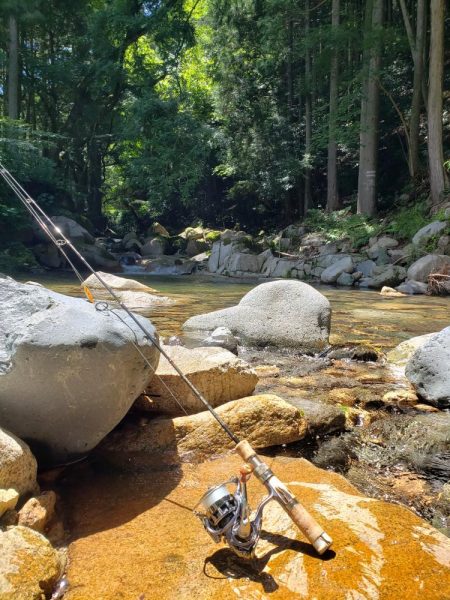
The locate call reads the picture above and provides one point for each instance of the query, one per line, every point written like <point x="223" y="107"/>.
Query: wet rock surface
<point x="428" y="369"/>
<point x="380" y="550"/>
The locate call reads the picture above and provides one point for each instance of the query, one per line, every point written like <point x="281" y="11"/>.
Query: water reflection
<point x="359" y="316"/>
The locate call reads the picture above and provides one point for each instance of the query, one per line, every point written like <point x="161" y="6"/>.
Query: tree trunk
<point x="308" y="117"/>
<point x="369" y="117"/>
<point x="332" y="189"/>
<point x="13" y="69"/>
<point x="436" y="70"/>
<point x="417" y="45"/>
<point x="414" y="123"/>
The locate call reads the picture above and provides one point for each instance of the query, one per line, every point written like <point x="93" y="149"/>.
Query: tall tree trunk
<point x="417" y="45"/>
<point x="332" y="188"/>
<point x="308" y="116"/>
<point x="414" y="123"/>
<point x="370" y="104"/>
<point x="13" y="69"/>
<point x="436" y="70"/>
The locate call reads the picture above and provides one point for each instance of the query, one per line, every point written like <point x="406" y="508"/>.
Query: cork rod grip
<point x="299" y="515"/>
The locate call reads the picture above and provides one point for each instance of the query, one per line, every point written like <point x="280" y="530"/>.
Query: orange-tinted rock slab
<point x="135" y="538"/>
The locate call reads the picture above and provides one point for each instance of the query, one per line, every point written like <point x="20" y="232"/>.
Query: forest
<point x="247" y="113"/>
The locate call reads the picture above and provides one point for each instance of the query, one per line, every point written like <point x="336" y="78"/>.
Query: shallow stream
<point x="372" y="455"/>
<point x="359" y="316"/>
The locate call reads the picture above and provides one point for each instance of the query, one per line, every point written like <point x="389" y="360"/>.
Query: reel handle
<point x="300" y="516"/>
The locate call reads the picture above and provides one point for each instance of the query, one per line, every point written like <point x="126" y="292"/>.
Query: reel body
<point x="226" y="516"/>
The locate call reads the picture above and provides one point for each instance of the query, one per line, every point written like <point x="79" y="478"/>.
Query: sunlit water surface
<point x="359" y="316"/>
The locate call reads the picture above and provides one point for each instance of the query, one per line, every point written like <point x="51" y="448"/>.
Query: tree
<point x="436" y="69"/>
<point x="332" y="189"/>
<point x="417" y="46"/>
<point x="370" y="103"/>
<point x="13" y="68"/>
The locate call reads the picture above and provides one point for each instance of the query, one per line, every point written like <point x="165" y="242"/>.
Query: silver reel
<point x="226" y="516"/>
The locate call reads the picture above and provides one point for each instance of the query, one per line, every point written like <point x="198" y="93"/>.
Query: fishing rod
<point x="225" y="514"/>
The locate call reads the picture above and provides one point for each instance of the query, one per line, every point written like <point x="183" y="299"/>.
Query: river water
<point x="359" y="316"/>
<point x="108" y="514"/>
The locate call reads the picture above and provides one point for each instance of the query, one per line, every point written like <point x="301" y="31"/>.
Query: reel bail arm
<point x="279" y="492"/>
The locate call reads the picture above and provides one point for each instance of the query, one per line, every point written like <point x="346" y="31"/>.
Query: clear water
<point x="359" y="316"/>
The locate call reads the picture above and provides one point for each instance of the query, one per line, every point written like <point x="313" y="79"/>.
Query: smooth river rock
<point x="428" y="369"/>
<point x="133" y="294"/>
<point x="400" y="355"/>
<point x="217" y="373"/>
<point x="381" y="551"/>
<point x="280" y="313"/>
<point x="18" y="467"/>
<point x="332" y="273"/>
<point x="68" y="372"/>
<point x="29" y="566"/>
<point x="116" y="283"/>
<point x="264" y="420"/>
<point x="431" y="263"/>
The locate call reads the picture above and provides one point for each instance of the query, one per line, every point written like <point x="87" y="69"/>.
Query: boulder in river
<point x="217" y="373"/>
<point x="401" y="354"/>
<point x="280" y="313"/>
<point x="68" y="372"/>
<point x="431" y="263"/>
<point x="223" y="338"/>
<point x="264" y="420"/>
<point x="116" y="283"/>
<point x="412" y="287"/>
<point x="428" y="369"/>
<point x="135" y="295"/>
<point x="332" y="273"/>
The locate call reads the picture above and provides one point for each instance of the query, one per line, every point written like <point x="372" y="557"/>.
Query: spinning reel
<point x="226" y="515"/>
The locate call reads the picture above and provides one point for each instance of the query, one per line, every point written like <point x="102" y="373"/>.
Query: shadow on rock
<point x="231" y="566"/>
<point x="113" y="486"/>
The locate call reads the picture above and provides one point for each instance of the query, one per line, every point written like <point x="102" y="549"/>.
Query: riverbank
<point x="339" y="249"/>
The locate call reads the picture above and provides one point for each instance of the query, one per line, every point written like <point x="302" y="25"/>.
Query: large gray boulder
<point x="401" y="354"/>
<point x="431" y="263"/>
<point x="68" y="372"/>
<point x="390" y="275"/>
<point x="412" y="287"/>
<point x="429" y="369"/>
<point x="427" y="232"/>
<point x="332" y="273"/>
<point x="280" y="313"/>
<point x="73" y="230"/>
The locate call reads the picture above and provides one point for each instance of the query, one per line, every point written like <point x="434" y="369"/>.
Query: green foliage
<point x="17" y="258"/>
<point x="406" y="222"/>
<point x="342" y="224"/>
<point x="212" y="236"/>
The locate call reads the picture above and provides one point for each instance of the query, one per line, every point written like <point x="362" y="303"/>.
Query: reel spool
<point x="226" y="516"/>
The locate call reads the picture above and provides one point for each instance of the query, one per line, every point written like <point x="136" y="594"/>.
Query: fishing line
<point x="225" y="515"/>
<point x="46" y="223"/>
